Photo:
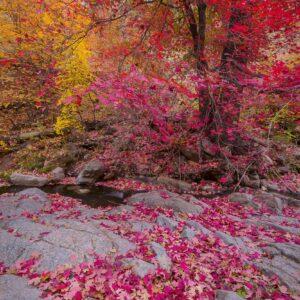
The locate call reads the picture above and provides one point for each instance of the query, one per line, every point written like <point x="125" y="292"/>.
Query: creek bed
<point x="93" y="196"/>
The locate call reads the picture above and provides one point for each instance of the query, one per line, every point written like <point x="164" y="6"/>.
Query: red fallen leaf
<point x="78" y="296"/>
<point x="2" y="268"/>
<point x="78" y="100"/>
<point x="38" y="104"/>
<point x="7" y="61"/>
<point x="223" y="180"/>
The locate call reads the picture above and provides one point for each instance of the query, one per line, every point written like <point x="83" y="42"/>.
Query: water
<point x="95" y="196"/>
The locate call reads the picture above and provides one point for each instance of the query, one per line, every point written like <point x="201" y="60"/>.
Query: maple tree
<point x="183" y="71"/>
<point x="180" y="39"/>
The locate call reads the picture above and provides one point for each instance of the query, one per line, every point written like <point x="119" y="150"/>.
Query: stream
<point x="95" y="196"/>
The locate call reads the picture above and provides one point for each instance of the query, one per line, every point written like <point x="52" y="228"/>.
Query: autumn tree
<point x="216" y="48"/>
<point x="38" y="39"/>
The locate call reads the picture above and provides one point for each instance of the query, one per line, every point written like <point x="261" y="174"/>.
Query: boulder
<point x="284" y="170"/>
<point x="270" y="186"/>
<point x="161" y="256"/>
<point x="289" y="200"/>
<point x="188" y="233"/>
<point x="141" y="226"/>
<point x="166" y="199"/>
<point x="30" y="135"/>
<point x="139" y="267"/>
<point x="275" y="204"/>
<point x="28" y="180"/>
<point x="92" y="171"/>
<point x="30" y="200"/>
<point x="239" y="242"/>
<point x="227" y="295"/>
<point x="286" y="269"/>
<point x="199" y="227"/>
<point x="121" y="209"/>
<point x="267" y="160"/>
<point x="190" y="154"/>
<point x="177" y="184"/>
<point x="64" y="157"/>
<point x="15" y="287"/>
<point x="274" y="225"/>
<point x="252" y="183"/>
<point x="166" y="222"/>
<point x="291" y="251"/>
<point x="58" y="241"/>
<point x="58" y="174"/>
<point x="34" y="192"/>
<point x="243" y="199"/>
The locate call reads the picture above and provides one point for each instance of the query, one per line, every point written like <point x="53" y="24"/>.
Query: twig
<point x="243" y="175"/>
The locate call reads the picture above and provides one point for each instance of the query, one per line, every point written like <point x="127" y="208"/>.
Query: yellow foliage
<point x="67" y="120"/>
<point x="75" y="76"/>
<point x="39" y="34"/>
<point x="75" y="69"/>
<point x="3" y="146"/>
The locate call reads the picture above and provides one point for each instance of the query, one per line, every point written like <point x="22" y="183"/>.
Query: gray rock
<point x="193" y="200"/>
<point x="166" y="199"/>
<point x="243" y="199"/>
<point x="162" y="256"/>
<point x="239" y="242"/>
<point x="178" y="184"/>
<point x="16" y="288"/>
<point x="199" y="227"/>
<point x="166" y="222"/>
<point x="28" y="180"/>
<point x="188" y="233"/>
<point x="270" y="186"/>
<point x="121" y="209"/>
<point x="289" y="200"/>
<point x="61" y="244"/>
<point x="190" y="154"/>
<point x="253" y="183"/>
<point x="27" y="228"/>
<point x="291" y="251"/>
<point x="58" y="174"/>
<point x="92" y="172"/>
<point x="274" y="203"/>
<point x="52" y="256"/>
<point x="32" y="200"/>
<point x="288" y="271"/>
<point x="235" y="218"/>
<point x="293" y="222"/>
<point x="34" y="192"/>
<point x="30" y="135"/>
<point x="83" y="237"/>
<point x="120" y="244"/>
<point x="141" y="226"/>
<point x="139" y="267"/>
<point x="227" y="295"/>
<point x="284" y="170"/>
<point x="12" y="248"/>
<point x="293" y="230"/>
<point x="65" y="156"/>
